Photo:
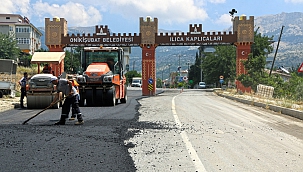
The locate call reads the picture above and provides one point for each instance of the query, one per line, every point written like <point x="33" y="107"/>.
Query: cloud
<point x="224" y="20"/>
<point x="294" y="1"/>
<point x="11" y="7"/>
<point x="89" y="12"/>
<point x="217" y="1"/>
<point x="76" y="14"/>
<point x="169" y="11"/>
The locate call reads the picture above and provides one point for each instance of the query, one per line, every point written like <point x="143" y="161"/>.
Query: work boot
<point x="73" y="117"/>
<point x="79" y="122"/>
<point x="80" y="119"/>
<point x="62" y="120"/>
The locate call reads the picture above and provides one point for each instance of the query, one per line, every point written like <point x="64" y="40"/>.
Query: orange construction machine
<point x="103" y="81"/>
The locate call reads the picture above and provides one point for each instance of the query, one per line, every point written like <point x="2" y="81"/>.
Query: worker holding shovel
<point x="71" y="94"/>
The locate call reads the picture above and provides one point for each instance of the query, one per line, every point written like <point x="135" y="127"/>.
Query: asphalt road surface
<point x="199" y="131"/>
<point x="190" y="131"/>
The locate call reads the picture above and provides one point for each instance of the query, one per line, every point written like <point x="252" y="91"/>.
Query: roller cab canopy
<point x="55" y="60"/>
<point x="48" y="57"/>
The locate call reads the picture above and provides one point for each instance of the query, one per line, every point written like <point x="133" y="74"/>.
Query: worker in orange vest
<point x="74" y="84"/>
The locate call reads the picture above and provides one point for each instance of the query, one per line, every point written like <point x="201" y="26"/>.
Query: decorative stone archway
<point x="149" y="38"/>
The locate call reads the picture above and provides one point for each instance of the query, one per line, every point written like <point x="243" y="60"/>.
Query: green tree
<point x="72" y="60"/>
<point x="8" y="47"/>
<point x="130" y="74"/>
<point x="255" y="65"/>
<point x="221" y="62"/>
<point x="195" y="71"/>
<point x="159" y="83"/>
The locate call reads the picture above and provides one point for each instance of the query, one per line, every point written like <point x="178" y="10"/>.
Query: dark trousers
<point x="71" y="102"/>
<point x="74" y="111"/>
<point x="23" y="94"/>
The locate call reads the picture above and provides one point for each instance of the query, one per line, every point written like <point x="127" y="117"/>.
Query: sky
<point x="123" y="16"/>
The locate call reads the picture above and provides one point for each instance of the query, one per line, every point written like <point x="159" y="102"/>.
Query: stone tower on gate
<point x="245" y="38"/>
<point x="53" y="33"/>
<point x="148" y="30"/>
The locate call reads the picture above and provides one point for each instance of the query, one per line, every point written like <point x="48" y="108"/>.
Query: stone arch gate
<point x="56" y="38"/>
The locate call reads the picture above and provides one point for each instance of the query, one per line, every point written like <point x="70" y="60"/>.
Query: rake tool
<point x="42" y="111"/>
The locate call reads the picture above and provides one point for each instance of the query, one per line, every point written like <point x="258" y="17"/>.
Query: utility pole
<point x="169" y="73"/>
<point x="273" y="62"/>
<point x="179" y="65"/>
<point x="162" y="78"/>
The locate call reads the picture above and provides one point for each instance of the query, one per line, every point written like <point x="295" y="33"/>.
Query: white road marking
<point x="191" y="151"/>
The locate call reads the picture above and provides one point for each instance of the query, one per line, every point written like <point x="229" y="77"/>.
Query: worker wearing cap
<point x="22" y="83"/>
<point x="65" y="86"/>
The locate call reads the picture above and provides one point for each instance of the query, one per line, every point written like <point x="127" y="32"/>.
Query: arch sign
<point x="148" y="39"/>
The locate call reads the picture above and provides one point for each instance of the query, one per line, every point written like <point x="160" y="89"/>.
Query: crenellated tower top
<point x="244" y="28"/>
<point x="148" y="30"/>
<point x="53" y="31"/>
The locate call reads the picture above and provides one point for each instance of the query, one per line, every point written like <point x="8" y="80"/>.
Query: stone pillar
<point x="148" y="31"/>
<point x="243" y="49"/>
<point x="148" y="70"/>
<point x="245" y="37"/>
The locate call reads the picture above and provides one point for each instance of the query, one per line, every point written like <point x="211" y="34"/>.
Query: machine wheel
<point x="89" y="97"/>
<point x="111" y="97"/>
<point x="81" y="102"/>
<point x="82" y="99"/>
<point x="123" y="100"/>
<point x="1" y="94"/>
<point x="99" y="97"/>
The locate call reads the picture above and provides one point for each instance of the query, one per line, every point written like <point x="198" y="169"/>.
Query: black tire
<point x="99" y="97"/>
<point x="111" y="97"/>
<point x="123" y="100"/>
<point x="1" y="94"/>
<point x="81" y="102"/>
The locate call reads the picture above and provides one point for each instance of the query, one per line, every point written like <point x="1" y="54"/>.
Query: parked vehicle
<point x="202" y="85"/>
<point x="136" y="82"/>
<point x="8" y="78"/>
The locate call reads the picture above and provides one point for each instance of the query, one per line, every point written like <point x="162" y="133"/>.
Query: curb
<point x="290" y="112"/>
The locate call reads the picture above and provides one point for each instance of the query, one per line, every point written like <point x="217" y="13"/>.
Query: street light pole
<point x="134" y="65"/>
<point x="169" y="70"/>
<point x="201" y="68"/>
<point x="188" y="68"/>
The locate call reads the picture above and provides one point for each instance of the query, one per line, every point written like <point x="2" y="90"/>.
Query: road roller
<point x="41" y="92"/>
<point x="103" y="82"/>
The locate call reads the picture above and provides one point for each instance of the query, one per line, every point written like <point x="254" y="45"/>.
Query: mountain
<point x="289" y="54"/>
<point x="290" y="50"/>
